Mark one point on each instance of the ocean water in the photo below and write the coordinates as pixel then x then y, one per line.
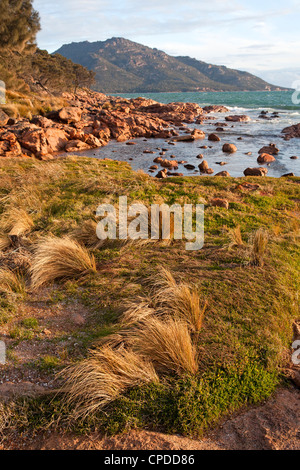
pixel 248 137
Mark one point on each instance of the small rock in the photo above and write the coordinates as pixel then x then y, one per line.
pixel 204 168
pixel 189 167
pixel 78 319
pixel 214 138
pixel 218 202
pixel 47 332
pixel 223 173
pixel 161 174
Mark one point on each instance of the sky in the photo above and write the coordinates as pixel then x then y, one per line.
pixel 260 36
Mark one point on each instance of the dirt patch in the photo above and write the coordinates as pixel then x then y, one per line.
pixel 272 426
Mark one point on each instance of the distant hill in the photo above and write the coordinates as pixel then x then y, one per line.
pixel 124 66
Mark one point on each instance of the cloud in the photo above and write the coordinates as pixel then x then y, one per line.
pixel 231 33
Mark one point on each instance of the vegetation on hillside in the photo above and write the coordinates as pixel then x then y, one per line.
pixel 31 74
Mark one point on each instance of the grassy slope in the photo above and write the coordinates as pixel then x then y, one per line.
pixel 248 326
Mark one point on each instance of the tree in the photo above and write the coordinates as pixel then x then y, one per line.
pixel 82 77
pixel 19 25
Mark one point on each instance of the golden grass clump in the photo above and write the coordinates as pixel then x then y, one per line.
pixel 102 377
pixel 16 221
pixel 178 300
pixel 167 344
pixel 86 235
pixel 59 258
pixel 11 282
pixel 158 335
pixel 137 312
pixel 235 238
pixel 258 246
pixel 5 241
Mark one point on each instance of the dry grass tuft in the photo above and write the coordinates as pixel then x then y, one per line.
pixel 167 344
pixel 137 311
pixel 102 377
pixel 59 258
pixel 178 300
pixel 258 245
pixel 235 238
pixel 16 221
pixel 146 227
pixel 87 236
pixel 5 242
pixel 11 282
pixel 157 337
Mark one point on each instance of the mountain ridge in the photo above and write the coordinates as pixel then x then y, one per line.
pixel 124 66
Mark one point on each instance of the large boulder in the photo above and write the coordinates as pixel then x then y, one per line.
pixel 195 135
pixel 292 131
pixel 56 139
pixel 229 148
pixel 70 114
pixel 4 118
pixel 255 172
pixel 35 141
pixel 42 121
pixel 9 146
pixel 176 113
pixel 271 149
pixel 92 141
pixel 219 202
pixel 215 109
pixel 265 158
pixel 198 134
pixel 171 164
pixel 76 146
pixel 238 118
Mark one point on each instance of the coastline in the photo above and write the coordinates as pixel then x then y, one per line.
pixel 91 120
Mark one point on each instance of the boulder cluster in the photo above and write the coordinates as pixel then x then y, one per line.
pixel 89 121
pixel 291 132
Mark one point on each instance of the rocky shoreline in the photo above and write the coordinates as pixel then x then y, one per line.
pixel 90 120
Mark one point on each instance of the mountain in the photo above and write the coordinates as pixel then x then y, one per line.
pixel 124 66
